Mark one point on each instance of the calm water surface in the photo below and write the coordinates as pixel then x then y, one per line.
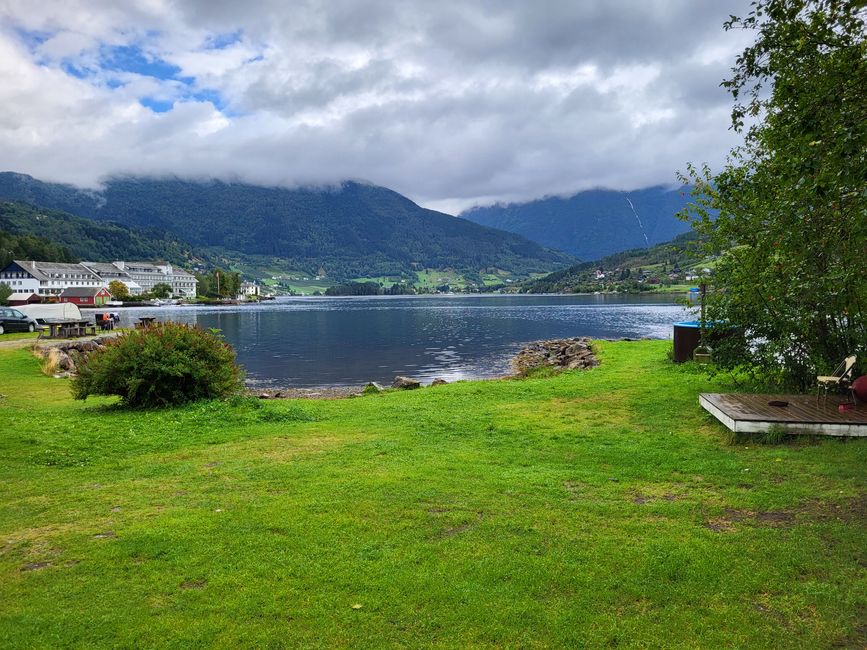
pixel 313 341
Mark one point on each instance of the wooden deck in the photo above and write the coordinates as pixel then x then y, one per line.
pixel 753 414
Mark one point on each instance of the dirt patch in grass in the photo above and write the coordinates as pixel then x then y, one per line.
pixel 769 612
pixel 194 584
pixel 575 488
pixel 457 529
pixel 850 510
pixel 35 566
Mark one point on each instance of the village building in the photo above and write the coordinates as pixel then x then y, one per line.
pixel 47 278
pixel 110 272
pixel 86 296
pixel 50 279
pixel 249 290
pixel 23 298
pixel 148 275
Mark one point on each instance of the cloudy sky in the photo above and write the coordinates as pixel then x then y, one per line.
pixel 452 102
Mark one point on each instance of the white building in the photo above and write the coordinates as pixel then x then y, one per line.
pixel 109 272
pixel 148 275
pixel 52 278
pixel 249 290
pixel 47 278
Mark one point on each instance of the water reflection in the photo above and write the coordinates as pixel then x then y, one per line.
pixel 333 341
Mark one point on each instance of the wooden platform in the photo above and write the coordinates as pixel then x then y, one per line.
pixel 752 414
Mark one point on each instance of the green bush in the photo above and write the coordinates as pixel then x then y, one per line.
pixel 161 366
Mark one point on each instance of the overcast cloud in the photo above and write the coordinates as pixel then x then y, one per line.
pixel 453 102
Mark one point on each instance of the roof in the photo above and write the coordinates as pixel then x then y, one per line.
pixel 43 270
pixel 81 292
pixel 147 267
pixel 22 295
pixel 105 268
pixel 30 267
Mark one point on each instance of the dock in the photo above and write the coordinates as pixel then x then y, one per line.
pixel 744 413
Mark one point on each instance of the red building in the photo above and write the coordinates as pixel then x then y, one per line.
pixel 86 296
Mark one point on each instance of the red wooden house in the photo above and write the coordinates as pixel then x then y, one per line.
pixel 86 296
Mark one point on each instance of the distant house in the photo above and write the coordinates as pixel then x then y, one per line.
pixel 23 298
pixel 86 296
pixel 249 290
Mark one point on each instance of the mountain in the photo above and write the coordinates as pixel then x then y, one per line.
pixel 592 224
pixel 65 236
pixel 635 270
pixel 352 230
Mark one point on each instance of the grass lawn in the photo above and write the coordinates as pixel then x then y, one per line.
pixel 601 508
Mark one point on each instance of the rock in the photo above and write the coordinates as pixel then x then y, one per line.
pixel 264 396
pixel 438 382
pixel 567 354
pixel 405 383
pixel 65 362
pixel 371 388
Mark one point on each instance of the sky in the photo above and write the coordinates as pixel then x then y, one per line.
pixel 453 103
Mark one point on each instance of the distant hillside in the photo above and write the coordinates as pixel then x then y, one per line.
pixel 353 230
pixel 636 270
pixel 28 247
pixel 592 224
pixel 58 236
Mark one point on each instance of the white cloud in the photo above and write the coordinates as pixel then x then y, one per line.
pixel 451 103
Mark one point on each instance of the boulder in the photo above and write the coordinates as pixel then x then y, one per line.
pixel 565 354
pixel 438 382
pixel 372 387
pixel 405 383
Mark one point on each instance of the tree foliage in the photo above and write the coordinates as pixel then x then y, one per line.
pixel 118 289
pixel 792 199
pixel 50 235
pixel 160 366
pixel 30 247
pixel 219 284
pixel 161 290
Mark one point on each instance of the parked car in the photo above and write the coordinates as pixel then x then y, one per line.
pixel 12 320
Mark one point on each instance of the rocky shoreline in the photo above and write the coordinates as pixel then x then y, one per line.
pixel 61 359
pixel 559 354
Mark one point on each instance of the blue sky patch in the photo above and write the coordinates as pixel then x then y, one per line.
pixel 222 41
pixel 131 58
pixel 32 39
pixel 157 105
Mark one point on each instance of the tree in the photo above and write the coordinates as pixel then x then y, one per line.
pixel 788 213
pixel 118 290
pixel 5 292
pixel 161 290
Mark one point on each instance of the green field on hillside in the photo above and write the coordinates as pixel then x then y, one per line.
pixel 599 508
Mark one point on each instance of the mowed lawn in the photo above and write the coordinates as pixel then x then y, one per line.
pixel 596 509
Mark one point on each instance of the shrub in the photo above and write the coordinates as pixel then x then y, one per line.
pixel 161 366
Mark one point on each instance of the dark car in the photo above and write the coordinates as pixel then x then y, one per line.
pixel 12 320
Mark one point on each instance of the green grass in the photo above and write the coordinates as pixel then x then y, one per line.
pixel 595 509
pixel 18 336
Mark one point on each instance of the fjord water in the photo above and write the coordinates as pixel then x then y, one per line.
pixel 308 342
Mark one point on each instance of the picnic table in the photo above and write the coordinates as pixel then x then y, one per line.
pixel 146 321
pixel 69 328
